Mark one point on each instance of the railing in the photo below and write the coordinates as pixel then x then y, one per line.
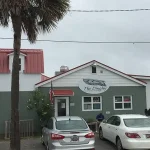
pixel 94 126
pixel 26 128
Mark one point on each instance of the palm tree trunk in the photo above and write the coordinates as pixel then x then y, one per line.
pixel 15 126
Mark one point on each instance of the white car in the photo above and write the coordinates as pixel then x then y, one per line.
pixel 126 131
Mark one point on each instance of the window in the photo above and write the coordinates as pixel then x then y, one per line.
pixel 122 102
pixel 71 125
pixel 19 63
pixel 91 103
pixel 93 69
pixel 116 121
pixel 137 122
pixel 110 120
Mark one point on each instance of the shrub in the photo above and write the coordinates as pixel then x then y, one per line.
pixel 41 104
pixel 90 120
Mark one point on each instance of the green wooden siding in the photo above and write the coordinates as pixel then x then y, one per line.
pixel 5 110
pixel 138 94
pixel 138 101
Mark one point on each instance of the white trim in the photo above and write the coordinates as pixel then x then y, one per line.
pixel 64 74
pixel 89 64
pixel 56 105
pixel 122 102
pixel 121 74
pixel 101 102
pixel 141 77
pixel 20 54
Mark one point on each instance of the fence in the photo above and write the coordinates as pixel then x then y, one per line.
pixel 94 126
pixel 26 128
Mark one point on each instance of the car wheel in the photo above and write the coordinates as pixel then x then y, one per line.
pixel 119 144
pixel 42 141
pixel 101 134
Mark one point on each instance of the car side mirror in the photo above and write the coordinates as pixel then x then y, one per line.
pixel 104 121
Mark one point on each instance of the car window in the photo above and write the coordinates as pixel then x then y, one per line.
pixel 50 124
pixel 116 121
pixel 137 122
pixel 71 125
pixel 110 120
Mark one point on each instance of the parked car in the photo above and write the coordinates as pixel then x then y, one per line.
pixel 67 133
pixel 126 131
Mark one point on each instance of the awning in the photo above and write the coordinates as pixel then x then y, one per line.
pixel 61 93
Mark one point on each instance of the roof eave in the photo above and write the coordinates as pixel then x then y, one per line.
pixel 13 53
pixel 141 77
pixel 86 65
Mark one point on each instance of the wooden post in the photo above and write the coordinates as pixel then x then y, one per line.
pixel 6 130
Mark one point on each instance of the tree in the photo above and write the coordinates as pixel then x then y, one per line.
pixel 32 17
pixel 41 104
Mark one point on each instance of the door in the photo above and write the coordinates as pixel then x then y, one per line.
pixel 62 106
pixel 106 128
pixel 114 129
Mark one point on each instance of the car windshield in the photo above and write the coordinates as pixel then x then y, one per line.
pixel 71 125
pixel 137 122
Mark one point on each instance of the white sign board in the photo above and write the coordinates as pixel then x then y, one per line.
pixel 63 105
pixel 107 112
pixel 72 104
pixel 93 85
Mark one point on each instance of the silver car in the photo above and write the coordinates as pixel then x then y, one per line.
pixel 67 133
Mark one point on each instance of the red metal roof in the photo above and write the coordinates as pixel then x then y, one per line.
pixel 44 77
pixel 34 61
pixel 89 63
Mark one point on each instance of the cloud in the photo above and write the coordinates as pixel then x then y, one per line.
pixel 116 26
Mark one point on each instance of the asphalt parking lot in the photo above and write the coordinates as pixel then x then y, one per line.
pixel 34 144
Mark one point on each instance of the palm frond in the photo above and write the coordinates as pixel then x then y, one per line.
pixel 36 15
pixel 4 19
pixel 29 25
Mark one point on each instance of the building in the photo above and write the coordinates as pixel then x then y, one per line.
pixel 94 87
pixel 84 91
pixel 147 80
pixel 31 67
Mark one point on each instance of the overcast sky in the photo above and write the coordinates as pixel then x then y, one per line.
pixel 113 26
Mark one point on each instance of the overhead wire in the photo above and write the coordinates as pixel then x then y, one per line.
pixel 94 42
pixel 85 42
pixel 111 10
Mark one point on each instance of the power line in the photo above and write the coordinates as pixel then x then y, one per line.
pixel 86 42
pixel 111 10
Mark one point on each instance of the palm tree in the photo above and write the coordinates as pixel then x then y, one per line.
pixel 32 17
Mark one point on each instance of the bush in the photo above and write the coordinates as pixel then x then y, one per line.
pixel 41 104
pixel 90 120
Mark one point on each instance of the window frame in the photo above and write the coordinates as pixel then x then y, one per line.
pixel 94 69
pixel 123 102
pixel 101 102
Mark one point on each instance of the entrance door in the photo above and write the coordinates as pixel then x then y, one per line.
pixel 62 106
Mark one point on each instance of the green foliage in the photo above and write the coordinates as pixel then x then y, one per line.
pixel 36 16
pixel 90 120
pixel 41 104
